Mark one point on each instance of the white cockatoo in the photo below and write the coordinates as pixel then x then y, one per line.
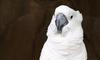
pixel 65 36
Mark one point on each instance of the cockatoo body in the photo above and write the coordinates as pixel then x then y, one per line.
pixel 65 36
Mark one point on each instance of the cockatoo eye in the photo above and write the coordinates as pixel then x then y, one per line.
pixel 71 16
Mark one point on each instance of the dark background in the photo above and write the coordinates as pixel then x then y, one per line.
pixel 23 26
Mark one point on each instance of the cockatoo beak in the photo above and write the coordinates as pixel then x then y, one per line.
pixel 60 22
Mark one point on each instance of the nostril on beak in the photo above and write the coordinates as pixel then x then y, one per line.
pixel 60 22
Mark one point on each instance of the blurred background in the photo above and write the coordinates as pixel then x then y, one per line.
pixel 23 26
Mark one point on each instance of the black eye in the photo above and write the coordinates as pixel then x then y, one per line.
pixel 71 17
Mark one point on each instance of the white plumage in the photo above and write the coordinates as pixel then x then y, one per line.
pixel 68 44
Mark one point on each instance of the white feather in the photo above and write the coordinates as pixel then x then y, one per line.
pixel 69 44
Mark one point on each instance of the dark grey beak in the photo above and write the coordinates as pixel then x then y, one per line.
pixel 60 21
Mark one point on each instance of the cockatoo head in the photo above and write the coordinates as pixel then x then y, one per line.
pixel 64 19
